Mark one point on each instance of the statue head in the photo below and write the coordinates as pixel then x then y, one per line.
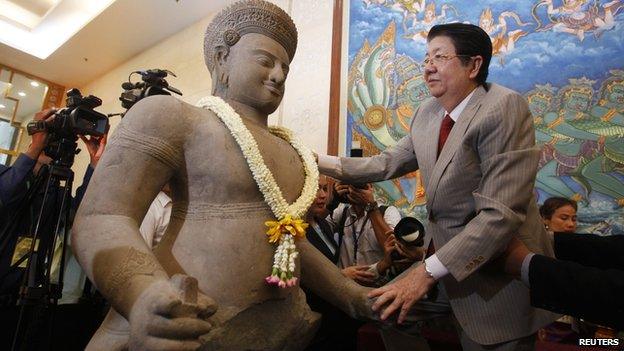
pixel 248 48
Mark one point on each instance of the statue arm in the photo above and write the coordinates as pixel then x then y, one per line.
pixel 325 279
pixel 106 238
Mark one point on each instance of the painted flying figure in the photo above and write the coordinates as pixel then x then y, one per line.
pixel 578 17
pixel 503 41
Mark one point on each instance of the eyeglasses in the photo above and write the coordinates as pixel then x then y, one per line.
pixel 439 59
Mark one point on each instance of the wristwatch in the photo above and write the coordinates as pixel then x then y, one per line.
pixel 371 206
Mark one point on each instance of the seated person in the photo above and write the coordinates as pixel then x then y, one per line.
pixel 363 227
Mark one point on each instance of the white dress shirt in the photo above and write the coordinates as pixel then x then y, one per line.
pixel 156 220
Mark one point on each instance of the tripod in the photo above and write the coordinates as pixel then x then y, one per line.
pixel 48 201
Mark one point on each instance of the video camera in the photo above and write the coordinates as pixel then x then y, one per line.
pixel 77 118
pixel 153 83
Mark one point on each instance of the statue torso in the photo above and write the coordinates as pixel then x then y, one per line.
pixel 217 232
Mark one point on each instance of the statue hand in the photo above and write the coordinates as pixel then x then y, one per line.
pixel 170 315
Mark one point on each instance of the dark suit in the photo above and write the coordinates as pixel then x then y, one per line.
pixel 315 239
pixel 591 287
pixel 604 252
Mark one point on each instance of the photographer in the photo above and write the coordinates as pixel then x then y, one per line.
pixel 363 227
pixel 16 181
pixel 397 258
pixel 18 219
pixel 13 178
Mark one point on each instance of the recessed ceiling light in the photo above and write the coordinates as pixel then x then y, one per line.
pixel 2 106
pixel 40 33
pixel 21 93
pixel 34 84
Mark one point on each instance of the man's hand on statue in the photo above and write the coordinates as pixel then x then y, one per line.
pixel 170 315
pixel 360 274
pixel 402 294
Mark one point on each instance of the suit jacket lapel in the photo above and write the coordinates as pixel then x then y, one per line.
pixel 452 143
pixel 431 135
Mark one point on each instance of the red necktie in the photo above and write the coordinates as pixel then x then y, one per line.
pixel 445 130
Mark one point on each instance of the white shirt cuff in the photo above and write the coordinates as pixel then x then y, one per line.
pixel 327 162
pixel 524 270
pixel 436 267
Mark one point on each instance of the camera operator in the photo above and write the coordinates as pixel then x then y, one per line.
pixel 363 227
pixel 12 178
pixel 397 258
pixel 16 181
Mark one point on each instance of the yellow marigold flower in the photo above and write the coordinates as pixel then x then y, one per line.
pixel 295 227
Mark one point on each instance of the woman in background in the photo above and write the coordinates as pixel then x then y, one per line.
pixel 559 214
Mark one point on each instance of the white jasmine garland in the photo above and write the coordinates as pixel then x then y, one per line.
pixel 288 215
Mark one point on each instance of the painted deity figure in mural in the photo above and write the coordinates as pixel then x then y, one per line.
pixel 409 10
pixel 584 142
pixel 430 19
pixel 564 143
pixel 503 41
pixel 384 91
pixel 604 173
pixel 541 100
pixel 578 17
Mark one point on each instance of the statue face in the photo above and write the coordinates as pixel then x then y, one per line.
pixel 257 67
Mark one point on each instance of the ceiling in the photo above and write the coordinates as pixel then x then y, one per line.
pixel 124 29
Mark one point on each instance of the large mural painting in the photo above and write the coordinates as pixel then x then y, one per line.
pixel 565 56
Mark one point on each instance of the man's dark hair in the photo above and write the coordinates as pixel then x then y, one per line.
pixel 547 210
pixel 469 40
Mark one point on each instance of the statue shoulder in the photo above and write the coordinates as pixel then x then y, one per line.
pixel 159 116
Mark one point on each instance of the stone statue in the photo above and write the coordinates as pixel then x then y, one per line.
pixel 204 284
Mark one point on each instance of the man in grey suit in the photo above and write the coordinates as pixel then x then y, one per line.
pixel 474 144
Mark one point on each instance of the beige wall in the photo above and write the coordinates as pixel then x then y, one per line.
pixel 306 102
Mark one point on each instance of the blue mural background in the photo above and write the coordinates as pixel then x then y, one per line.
pixel 565 56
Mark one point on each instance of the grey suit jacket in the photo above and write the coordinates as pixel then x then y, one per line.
pixel 479 193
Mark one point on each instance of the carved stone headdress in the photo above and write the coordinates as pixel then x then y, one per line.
pixel 249 16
